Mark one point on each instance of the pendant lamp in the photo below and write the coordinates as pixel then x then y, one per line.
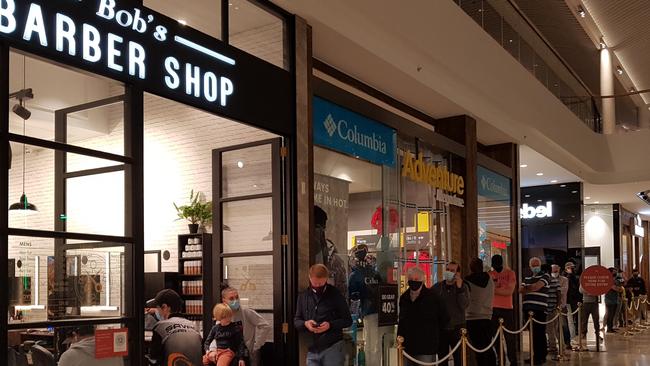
pixel 23 204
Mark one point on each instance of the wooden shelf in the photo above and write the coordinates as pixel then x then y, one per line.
pixel 191 295
pixel 190 259
pixel 183 275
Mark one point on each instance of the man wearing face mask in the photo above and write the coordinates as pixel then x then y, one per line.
pixel 322 312
pixel 454 293
pixel 421 318
pixel 505 281
pixel 636 285
pixel 535 291
pixel 573 297
pixel 175 341
pixel 257 330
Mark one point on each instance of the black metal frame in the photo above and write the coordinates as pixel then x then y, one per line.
pixel 133 239
pixel 278 227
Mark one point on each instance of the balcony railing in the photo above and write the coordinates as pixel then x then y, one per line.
pixel 505 23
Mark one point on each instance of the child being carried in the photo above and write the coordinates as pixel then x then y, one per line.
pixel 229 340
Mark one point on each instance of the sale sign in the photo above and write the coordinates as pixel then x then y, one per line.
pixel 111 343
pixel 596 280
pixel 388 298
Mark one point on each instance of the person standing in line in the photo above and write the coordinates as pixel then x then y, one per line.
pixel 574 297
pixel 535 291
pixel 422 316
pixel 590 308
pixel 611 300
pixel 620 314
pixel 479 312
pixel 636 285
pixel 553 300
pixel 564 289
pixel 455 295
pixel 505 282
pixel 322 312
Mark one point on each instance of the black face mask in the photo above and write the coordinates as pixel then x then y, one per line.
pixel 361 255
pixel 635 275
pixel 497 268
pixel 415 285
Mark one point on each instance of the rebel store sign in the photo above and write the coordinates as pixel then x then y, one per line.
pixel 136 45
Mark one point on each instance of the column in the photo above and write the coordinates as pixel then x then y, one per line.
pixel 607 88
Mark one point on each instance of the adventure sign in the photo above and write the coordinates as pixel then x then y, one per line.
pixel 596 280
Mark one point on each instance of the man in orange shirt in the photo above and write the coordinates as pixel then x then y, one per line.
pixel 505 282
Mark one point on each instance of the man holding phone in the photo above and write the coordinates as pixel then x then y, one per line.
pixel 323 312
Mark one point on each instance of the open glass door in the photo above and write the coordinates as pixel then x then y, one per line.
pixel 248 206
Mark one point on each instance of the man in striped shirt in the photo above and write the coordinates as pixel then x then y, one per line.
pixel 553 300
pixel 535 291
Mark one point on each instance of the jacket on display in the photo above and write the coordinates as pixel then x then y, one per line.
pixel 420 321
pixel 329 307
pixel 364 285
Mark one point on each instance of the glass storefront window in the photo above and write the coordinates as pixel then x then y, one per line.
pixel 202 15
pixel 494 217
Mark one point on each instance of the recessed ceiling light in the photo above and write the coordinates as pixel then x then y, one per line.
pixel 563 185
pixel 526 165
pixel 182 22
pixel 597 202
pixel 540 174
pixel 587 198
pixel 619 70
pixel 554 181
pixel 581 12
pixel 539 200
pixel 240 164
pixel 574 192
pixel 527 196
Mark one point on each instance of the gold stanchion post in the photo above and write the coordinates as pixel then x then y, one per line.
pixel 530 338
pixel 400 351
pixel 580 321
pixel 463 337
pixel 502 360
pixel 625 318
pixel 560 335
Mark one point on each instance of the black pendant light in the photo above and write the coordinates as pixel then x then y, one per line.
pixel 23 204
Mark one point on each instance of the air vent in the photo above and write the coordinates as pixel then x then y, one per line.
pixel 645 196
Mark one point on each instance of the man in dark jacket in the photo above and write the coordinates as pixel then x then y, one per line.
pixel 573 297
pixel 454 293
pixel 636 285
pixel 323 312
pixel 422 316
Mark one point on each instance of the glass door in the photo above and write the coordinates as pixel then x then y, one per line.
pixel 248 206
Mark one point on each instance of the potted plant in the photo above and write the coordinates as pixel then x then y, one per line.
pixel 196 212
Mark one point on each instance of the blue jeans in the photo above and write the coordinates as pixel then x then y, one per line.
pixel 332 356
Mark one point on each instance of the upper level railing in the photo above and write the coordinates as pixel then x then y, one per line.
pixel 512 30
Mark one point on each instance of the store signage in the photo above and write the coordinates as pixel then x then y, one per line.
pixel 596 280
pixel 493 185
pixel 343 130
pixel 449 186
pixel 128 42
pixel 638 226
pixel 540 212
pixel 388 298
pixel 111 343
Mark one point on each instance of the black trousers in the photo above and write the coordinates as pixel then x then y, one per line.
pixel 480 335
pixel 512 340
pixel 611 314
pixel 448 339
pixel 539 336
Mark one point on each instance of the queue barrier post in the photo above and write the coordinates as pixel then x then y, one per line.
pixel 501 343
pixel 560 335
pixel 400 351
pixel 580 315
pixel 463 339
pixel 530 338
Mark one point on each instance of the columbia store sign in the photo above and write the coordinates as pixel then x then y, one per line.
pixel 131 43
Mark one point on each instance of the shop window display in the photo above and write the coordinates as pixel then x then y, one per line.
pixel 494 217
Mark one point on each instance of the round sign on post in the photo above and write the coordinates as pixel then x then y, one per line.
pixel 596 280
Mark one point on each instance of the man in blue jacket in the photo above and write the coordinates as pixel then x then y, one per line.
pixel 323 312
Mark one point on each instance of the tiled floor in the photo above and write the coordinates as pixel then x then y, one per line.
pixel 616 350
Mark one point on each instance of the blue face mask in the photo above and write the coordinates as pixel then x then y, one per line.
pixel 157 315
pixel 234 305
pixel 536 270
pixel 449 276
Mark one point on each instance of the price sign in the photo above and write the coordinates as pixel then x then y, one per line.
pixel 387 305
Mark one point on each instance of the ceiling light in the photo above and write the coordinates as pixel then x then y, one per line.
pixel 587 198
pixel 597 202
pixel 582 12
pixel 240 164
pixel 574 192
pixel 563 185
pixel 603 45
pixel 527 196
pixel 526 165
pixel 182 22
pixel 21 111
pixel 539 200
pixel 540 174
pixel 554 181
pixel 619 70
pixel 632 90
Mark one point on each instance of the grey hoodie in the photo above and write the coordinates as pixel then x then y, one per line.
pixel 481 295
pixel 82 353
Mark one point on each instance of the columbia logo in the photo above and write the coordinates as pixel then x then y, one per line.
pixel 330 125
